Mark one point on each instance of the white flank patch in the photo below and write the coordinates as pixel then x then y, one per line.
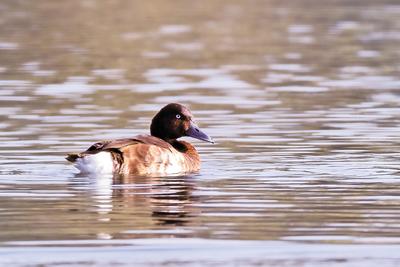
pixel 174 166
pixel 172 169
pixel 97 163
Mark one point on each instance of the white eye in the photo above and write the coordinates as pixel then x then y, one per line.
pixel 178 116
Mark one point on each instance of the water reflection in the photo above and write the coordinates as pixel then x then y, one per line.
pixel 170 200
pixel 168 203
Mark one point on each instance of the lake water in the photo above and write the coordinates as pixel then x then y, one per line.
pixel 302 98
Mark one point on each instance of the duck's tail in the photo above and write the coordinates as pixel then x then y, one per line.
pixel 72 157
pixel 101 162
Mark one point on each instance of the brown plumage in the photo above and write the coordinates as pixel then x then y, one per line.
pixel 157 154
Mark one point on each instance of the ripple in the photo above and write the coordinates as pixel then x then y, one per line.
pixel 8 46
pixel 168 79
pixel 15 83
pixel 72 87
pixel 381 36
pixel 290 67
pixel 229 252
pixel 155 54
pixel 300 29
pixel 301 89
pixel 357 69
pixel 174 29
pixel 186 47
pixel 365 82
pixel 368 54
pixel 343 26
pixel 111 74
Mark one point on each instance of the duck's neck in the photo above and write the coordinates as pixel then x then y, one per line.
pixel 187 149
pixel 184 147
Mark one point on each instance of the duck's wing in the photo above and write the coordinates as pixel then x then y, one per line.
pixel 120 143
pixel 111 144
pixel 116 145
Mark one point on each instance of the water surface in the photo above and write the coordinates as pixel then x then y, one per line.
pixel 301 98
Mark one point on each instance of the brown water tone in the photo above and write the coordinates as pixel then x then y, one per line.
pixel 302 98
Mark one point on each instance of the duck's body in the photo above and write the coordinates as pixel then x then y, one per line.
pixel 156 154
pixel 141 155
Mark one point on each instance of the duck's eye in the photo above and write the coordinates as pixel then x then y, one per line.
pixel 178 116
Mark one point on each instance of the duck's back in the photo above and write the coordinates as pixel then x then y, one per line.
pixel 141 155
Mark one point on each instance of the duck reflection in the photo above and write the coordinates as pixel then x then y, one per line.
pixel 169 199
pixel 129 206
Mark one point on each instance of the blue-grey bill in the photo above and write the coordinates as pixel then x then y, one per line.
pixel 195 132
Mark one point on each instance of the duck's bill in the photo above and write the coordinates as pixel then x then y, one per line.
pixel 195 132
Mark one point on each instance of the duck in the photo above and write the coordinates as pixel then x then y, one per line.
pixel 160 153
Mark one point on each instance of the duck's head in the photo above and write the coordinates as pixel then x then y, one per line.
pixel 174 121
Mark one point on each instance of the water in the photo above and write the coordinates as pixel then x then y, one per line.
pixel 301 99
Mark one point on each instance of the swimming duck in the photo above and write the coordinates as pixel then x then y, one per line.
pixel 157 154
